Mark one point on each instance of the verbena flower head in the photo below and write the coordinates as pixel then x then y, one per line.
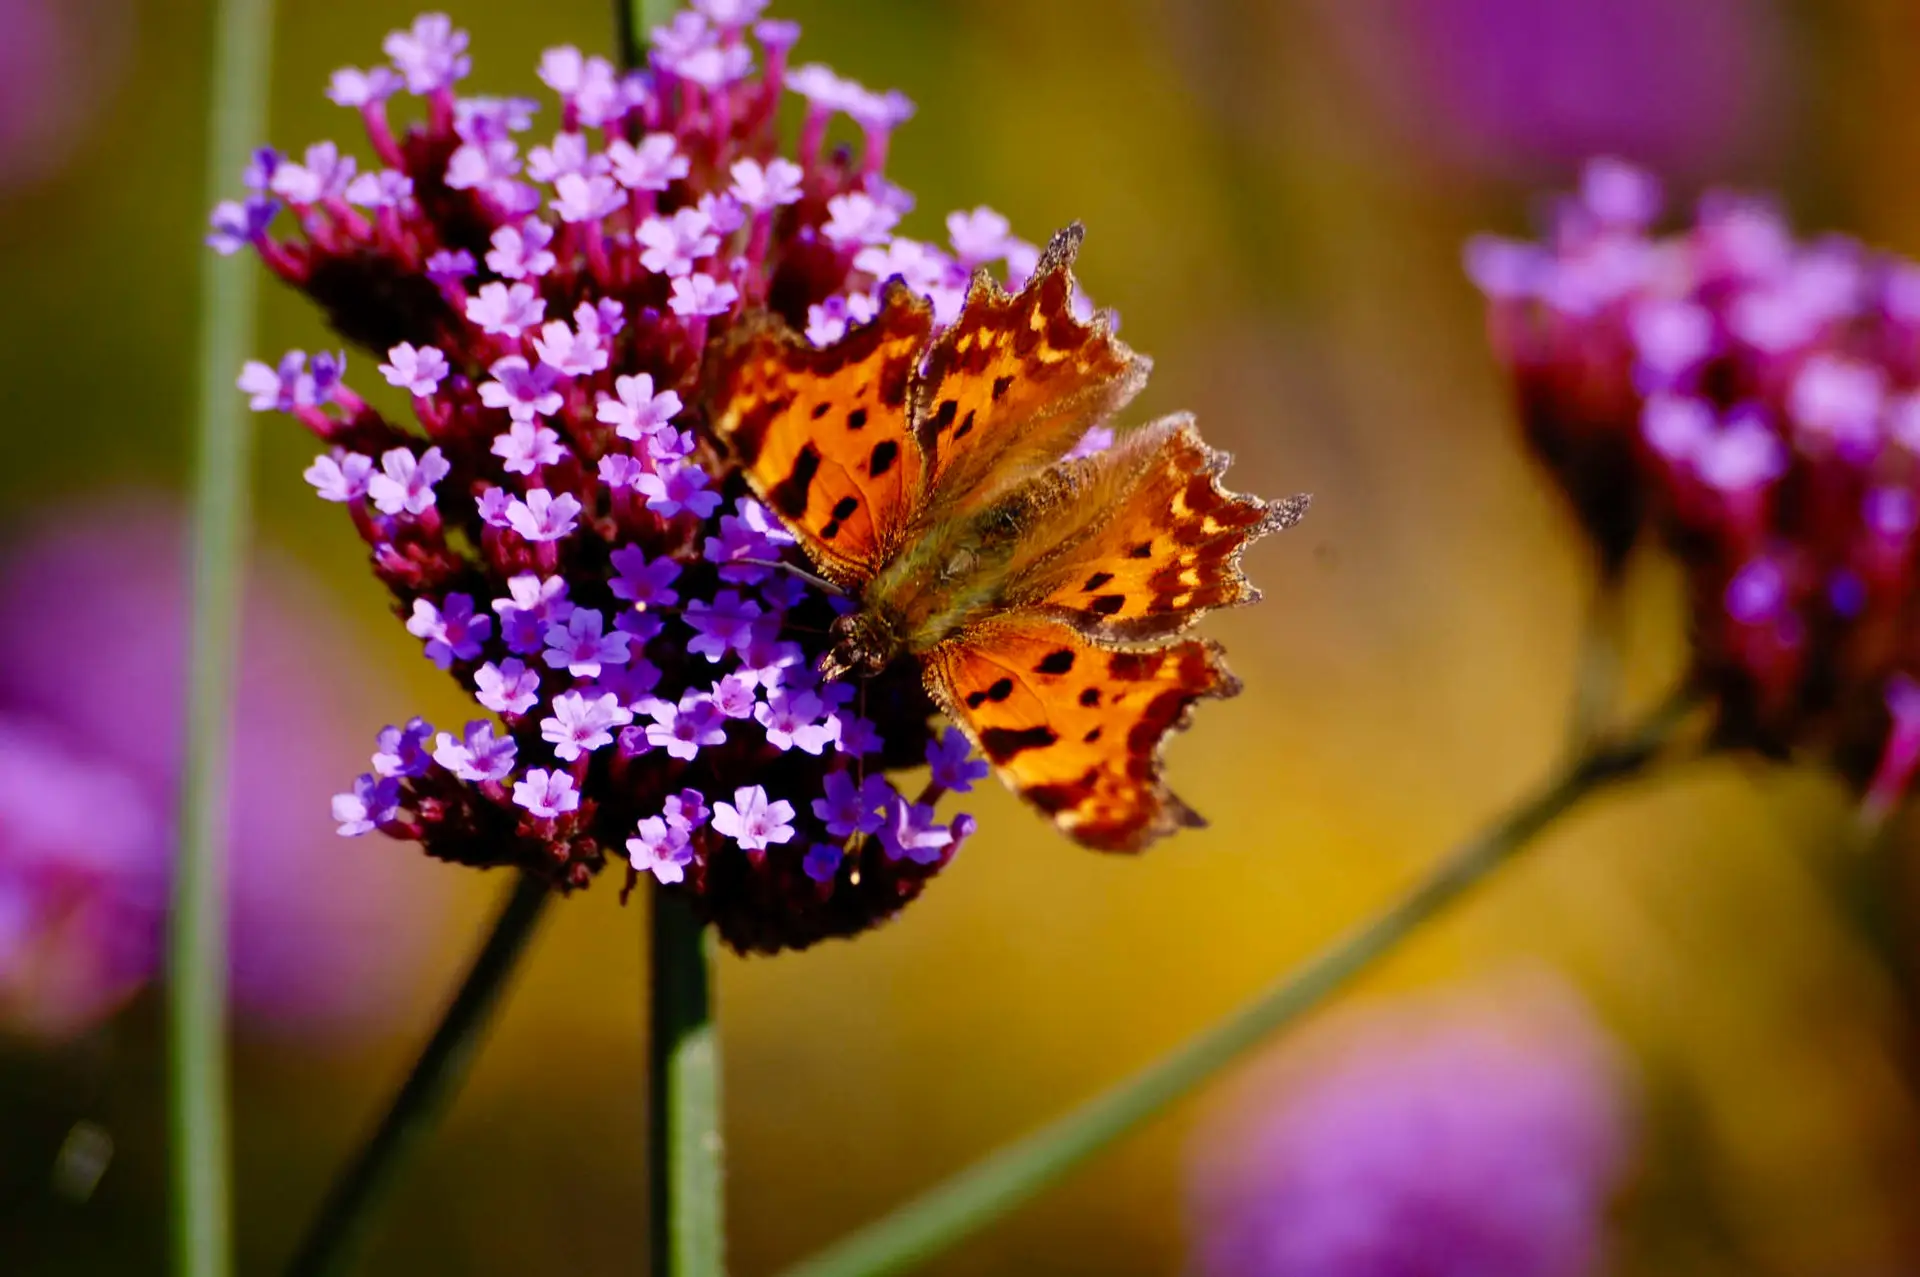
pixel 1752 400
pixel 541 281
pixel 1414 1141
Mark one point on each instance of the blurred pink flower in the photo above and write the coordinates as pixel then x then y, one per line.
pixel 58 60
pixel 1416 1140
pixel 326 934
pixel 1504 83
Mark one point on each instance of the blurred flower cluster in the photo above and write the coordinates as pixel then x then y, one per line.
pixel 1441 1140
pixel 557 532
pixel 1754 401
pixel 92 686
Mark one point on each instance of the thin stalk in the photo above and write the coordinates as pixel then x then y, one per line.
pixel 687 1233
pixel 333 1241
pixel 200 1204
pixel 632 20
pixel 1597 668
pixel 1003 1180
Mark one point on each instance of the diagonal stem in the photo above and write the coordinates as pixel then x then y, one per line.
pixel 687 1235
pixel 200 1206
pixel 1003 1180
pixel 333 1240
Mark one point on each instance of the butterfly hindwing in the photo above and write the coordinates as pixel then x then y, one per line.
pixel 1141 539
pixel 1011 387
pixel 1076 728
pixel 822 433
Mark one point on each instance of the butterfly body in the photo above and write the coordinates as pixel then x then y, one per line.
pixel 1043 596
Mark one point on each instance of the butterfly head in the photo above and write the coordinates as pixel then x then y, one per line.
pixel 863 644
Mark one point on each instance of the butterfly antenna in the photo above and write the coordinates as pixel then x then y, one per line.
pixel 817 582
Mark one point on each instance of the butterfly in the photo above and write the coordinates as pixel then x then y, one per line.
pixel 928 476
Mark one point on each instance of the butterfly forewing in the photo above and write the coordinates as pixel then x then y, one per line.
pixel 1012 386
pixel 822 433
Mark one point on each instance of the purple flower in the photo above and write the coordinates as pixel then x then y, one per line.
pixel 752 534
pixel 352 87
pixel 453 632
pixel 521 251
pixel 683 730
pixel 579 647
pixel 722 626
pixel 569 353
pixel 680 488
pixel 642 582
pixel 953 763
pixel 568 154
pixel 417 371
pixel 525 392
pixel 766 187
pixel 671 245
pixel 405 484
pixel 493 506
pixel 978 237
pixel 431 55
pixel 752 821
pixel 547 794
pixel 543 516
pixel 238 224
pixel 340 475
pixel 848 809
pixel 735 696
pixel 909 831
pixel 533 602
pixel 279 389
pixel 858 219
pixel 324 175
pixel 506 311
pixel 792 720
pixel 660 848
pixel 373 801
pixel 653 165
pixel 828 321
pixel 638 412
pixel 449 266
pixel 580 725
pixel 1452 1145
pixel 822 863
pixel 403 751
pixel 854 736
pixel 579 198
pixel 385 188
pixel 525 447
pixel 687 809
pixel 482 756
pixel 507 688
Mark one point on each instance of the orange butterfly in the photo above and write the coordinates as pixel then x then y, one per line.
pixel 924 476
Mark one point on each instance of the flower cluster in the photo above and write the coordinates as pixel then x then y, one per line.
pixel 1754 401
pixel 559 533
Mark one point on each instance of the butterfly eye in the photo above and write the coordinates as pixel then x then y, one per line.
pixel 959 565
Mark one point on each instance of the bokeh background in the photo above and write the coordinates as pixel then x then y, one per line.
pixel 1276 193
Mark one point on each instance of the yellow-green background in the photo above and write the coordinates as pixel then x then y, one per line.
pixel 1290 259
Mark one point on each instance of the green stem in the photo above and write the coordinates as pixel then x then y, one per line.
pixel 929 1224
pixel 632 20
pixel 199 1205
pixel 688 1198
pixel 1597 669
pixel 334 1239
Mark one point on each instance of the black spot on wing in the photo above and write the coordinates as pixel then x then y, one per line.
pixel 844 508
pixel 1001 385
pixel 885 453
pixel 1090 697
pixel 1142 551
pixel 1108 604
pixel 966 427
pixel 1001 689
pixel 789 496
pixel 1056 662
pixel 943 415
pixel 1097 580
pixel 1003 744
pixel 820 409
pixel 857 419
